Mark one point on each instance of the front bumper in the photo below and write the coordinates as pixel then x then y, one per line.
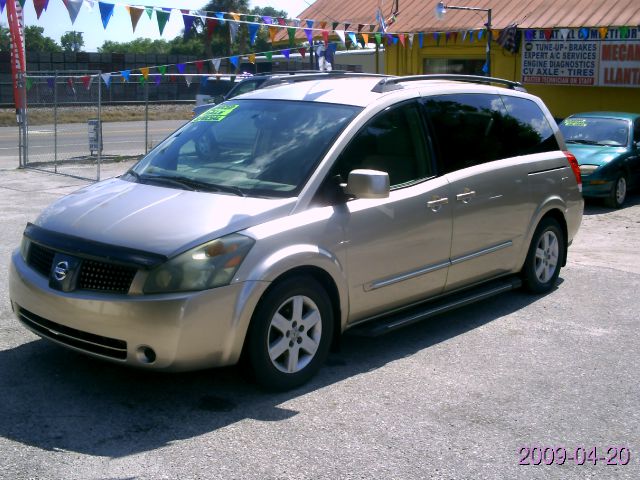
pixel 596 191
pixel 184 331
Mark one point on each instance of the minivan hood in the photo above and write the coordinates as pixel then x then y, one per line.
pixel 595 154
pixel 155 219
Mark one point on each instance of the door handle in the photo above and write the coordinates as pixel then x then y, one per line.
pixel 465 196
pixel 436 203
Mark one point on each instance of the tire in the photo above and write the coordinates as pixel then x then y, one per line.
pixel 545 257
pixel 618 193
pixel 290 334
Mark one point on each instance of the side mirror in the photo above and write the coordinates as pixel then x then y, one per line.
pixel 364 183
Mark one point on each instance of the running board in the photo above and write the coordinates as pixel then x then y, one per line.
pixel 417 313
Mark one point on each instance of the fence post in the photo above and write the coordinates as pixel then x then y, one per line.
pixel 99 76
pixel 146 117
pixel 55 121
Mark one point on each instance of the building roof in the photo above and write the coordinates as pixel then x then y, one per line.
pixel 419 15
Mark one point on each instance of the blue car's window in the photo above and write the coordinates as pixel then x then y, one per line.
pixel 247 147
pixel 596 131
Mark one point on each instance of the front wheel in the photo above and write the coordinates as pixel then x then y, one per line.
pixel 545 257
pixel 618 193
pixel 290 333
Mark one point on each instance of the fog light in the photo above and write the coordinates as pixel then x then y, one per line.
pixel 146 354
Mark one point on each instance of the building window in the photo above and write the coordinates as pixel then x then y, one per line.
pixel 461 66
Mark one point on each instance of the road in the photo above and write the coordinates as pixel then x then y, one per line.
pixel 119 138
pixel 455 397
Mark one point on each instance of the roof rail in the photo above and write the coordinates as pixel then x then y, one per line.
pixel 393 83
pixel 320 75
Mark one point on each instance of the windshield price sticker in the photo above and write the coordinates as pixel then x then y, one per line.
pixel 216 114
pixel 575 122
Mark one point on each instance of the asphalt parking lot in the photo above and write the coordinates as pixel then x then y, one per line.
pixel 463 396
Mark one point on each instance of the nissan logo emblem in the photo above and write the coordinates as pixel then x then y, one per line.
pixel 61 271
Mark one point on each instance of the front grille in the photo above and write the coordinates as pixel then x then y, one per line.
pixel 94 275
pixel 105 277
pixel 40 258
pixel 88 342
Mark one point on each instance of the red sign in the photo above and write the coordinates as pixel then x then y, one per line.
pixel 18 64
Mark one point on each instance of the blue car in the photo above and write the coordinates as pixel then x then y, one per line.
pixel 607 147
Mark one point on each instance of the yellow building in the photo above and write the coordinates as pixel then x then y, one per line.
pixel 577 55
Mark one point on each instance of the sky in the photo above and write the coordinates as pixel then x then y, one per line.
pixel 55 20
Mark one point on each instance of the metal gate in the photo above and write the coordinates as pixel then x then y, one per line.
pixel 62 128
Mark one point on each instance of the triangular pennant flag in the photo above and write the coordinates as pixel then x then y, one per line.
pixel 73 6
pixel 135 14
pixel 199 65
pixel 295 22
pixel 624 32
pixel 188 20
pixel 281 22
pixel 495 34
pixel 421 39
pixel 302 51
pixel 125 75
pixel 323 25
pixel 220 17
pixel 267 19
pixel 334 25
pixel 346 26
pixel 378 38
pixel 352 37
pixel 216 64
pixel 162 69
pixel 480 34
pixel 29 81
pixel 310 23
pixel 141 80
pixel 70 81
pixel 401 38
pixel 106 11
pixel 340 34
pixel 158 78
pixel 365 37
pixel 371 28
pixel 360 27
pixel 253 32
pixel 145 72
pixel 564 33
pixel 181 67
pixel 162 17
pixel 528 35
pixel 22 2
pixel 411 40
pixel 286 52
pixel 172 78
pixel 86 81
pixel 233 30
pixel 292 35
pixel 395 39
pixel 234 61
pixel 210 25
pixel 252 58
pixel 325 37
pixel 269 56
pixel 39 5
pixel 2 3
pixel 464 35
pixel 149 11
pixel 236 16
pixel 471 35
pixel 188 79
pixel 455 36
pixel 203 81
pixel 583 33
pixel 106 78
pixel 273 31
pixel 309 33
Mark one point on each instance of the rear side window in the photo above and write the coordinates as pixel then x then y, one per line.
pixel 471 129
pixel 529 130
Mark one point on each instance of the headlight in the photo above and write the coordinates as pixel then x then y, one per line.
pixel 588 169
pixel 208 266
pixel 24 247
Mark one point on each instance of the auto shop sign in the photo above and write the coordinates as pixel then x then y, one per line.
pixel 589 57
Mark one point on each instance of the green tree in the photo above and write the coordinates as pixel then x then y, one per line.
pixel 72 41
pixel 5 43
pixel 35 40
pixel 139 45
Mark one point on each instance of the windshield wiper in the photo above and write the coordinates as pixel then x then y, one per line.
pixel 191 184
pixel 583 142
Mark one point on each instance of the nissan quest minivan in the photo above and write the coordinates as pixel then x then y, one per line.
pixel 274 222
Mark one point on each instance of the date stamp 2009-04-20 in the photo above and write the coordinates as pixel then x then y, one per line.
pixel 582 455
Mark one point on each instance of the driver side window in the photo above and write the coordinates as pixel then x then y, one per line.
pixel 392 142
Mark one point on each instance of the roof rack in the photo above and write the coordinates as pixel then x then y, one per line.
pixel 393 83
pixel 332 74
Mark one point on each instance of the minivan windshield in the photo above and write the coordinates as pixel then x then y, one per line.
pixel 266 148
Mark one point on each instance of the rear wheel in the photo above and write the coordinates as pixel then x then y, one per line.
pixel 545 257
pixel 618 193
pixel 290 333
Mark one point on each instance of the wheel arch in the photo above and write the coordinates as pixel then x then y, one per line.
pixel 552 209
